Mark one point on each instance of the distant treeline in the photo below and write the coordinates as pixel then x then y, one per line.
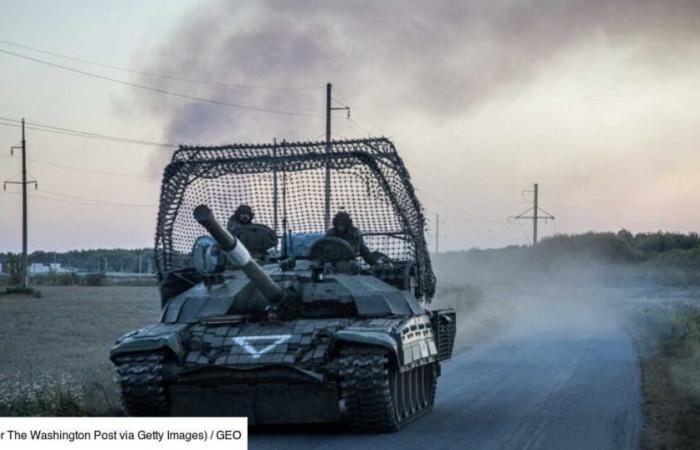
pixel 99 260
pixel 672 258
pixel 620 247
pixel 663 248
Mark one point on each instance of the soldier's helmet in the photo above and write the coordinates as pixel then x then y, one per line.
pixel 244 210
pixel 342 218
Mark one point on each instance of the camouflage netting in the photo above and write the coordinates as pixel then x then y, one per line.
pixel 368 180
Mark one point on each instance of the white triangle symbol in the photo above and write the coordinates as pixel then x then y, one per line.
pixel 246 343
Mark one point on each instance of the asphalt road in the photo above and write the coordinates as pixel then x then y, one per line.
pixel 569 388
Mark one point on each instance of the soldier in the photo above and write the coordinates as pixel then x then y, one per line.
pixel 343 228
pixel 257 238
pixel 241 217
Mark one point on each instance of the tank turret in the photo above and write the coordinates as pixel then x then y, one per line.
pixel 236 251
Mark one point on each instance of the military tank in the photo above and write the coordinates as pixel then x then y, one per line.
pixel 305 331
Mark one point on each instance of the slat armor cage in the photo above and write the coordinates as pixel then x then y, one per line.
pixel 284 183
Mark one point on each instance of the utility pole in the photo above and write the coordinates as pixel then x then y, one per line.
pixel 327 191
pixel 535 210
pixel 25 261
pixel 437 233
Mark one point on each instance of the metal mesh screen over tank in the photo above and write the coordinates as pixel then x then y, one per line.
pixel 284 184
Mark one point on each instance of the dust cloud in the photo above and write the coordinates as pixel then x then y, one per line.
pixel 501 295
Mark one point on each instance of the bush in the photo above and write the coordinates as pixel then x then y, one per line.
pixel 18 290
pixel 14 269
pixel 57 279
pixel 95 279
pixel 67 279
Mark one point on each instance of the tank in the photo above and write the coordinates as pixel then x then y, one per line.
pixel 307 331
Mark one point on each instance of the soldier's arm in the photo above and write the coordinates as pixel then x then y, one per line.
pixel 231 224
pixel 366 254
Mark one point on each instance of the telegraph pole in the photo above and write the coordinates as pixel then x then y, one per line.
pixel 535 216
pixel 25 261
pixel 535 209
pixel 327 190
pixel 25 266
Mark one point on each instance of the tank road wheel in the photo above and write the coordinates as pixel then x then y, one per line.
pixel 379 398
pixel 143 389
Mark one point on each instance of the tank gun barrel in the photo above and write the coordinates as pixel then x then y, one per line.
pixel 235 249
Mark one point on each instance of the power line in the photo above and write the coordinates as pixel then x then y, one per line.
pixel 417 168
pixel 158 90
pixel 66 198
pixel 457 210
pixel 342 102
pixel 157 75
pixel 349 118
pixel 85 134
pixel 98 172
pixel 369 119
pixel 74 202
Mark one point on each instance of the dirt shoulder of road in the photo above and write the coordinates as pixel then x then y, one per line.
pixel 668 340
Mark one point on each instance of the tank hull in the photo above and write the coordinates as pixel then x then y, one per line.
pixel 301 371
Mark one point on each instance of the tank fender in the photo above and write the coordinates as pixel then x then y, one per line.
pixel 369 338
pixel 151 338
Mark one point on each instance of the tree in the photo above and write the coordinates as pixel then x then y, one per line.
pixel 14 269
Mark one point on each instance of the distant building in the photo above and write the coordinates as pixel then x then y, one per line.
pixel 42 268
pixel 38 268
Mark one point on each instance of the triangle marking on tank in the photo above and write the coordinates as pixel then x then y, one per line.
pixel 247 343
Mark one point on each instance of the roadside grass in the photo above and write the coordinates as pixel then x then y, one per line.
pixel 669 341
pixel 48 397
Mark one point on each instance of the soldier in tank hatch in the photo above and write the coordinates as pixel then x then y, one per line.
pixel 344 229
pixel 242 216
pixel 257 238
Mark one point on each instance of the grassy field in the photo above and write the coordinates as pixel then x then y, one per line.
pixel 55 349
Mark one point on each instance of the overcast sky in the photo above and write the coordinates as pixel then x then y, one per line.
pixel 597 101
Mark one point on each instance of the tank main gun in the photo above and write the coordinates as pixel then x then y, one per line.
pixel 239 254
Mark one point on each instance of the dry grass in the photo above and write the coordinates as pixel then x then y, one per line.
pixel 62 340
pixel 669 343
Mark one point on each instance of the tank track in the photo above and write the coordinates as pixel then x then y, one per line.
pixel 143 388
pixel 378 398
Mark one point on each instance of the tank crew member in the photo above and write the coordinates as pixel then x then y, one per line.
pixel 343 228
pixel 243 215
pixel 257 238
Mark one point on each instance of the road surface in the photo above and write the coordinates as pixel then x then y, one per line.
pixel 549 388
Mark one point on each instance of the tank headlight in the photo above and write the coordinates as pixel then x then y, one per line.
pixel 207 256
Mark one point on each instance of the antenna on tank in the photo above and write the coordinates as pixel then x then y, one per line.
pixel 285 250
pixel 274 184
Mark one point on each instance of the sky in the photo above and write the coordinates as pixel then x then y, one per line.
pixel 594 100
